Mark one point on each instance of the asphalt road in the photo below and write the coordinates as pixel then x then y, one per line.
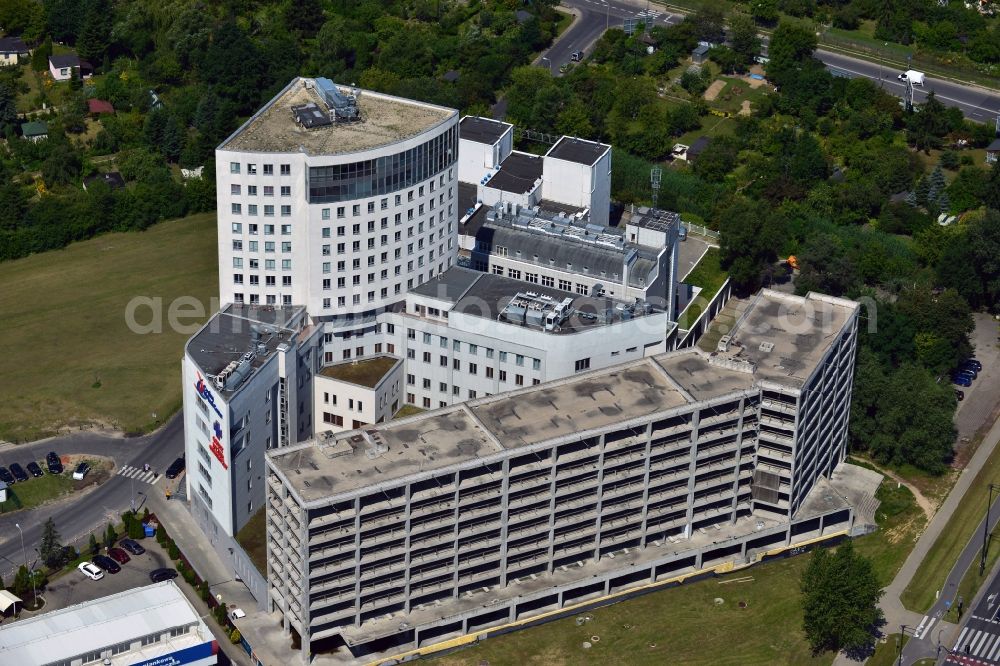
pixel 595 16
pixel 925 638
pixel 978 641
pixel 976 103
pixel 82 513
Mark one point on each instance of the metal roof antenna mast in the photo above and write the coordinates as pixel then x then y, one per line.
pixel 655 175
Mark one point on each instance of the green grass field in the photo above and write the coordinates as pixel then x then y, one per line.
pixel 71 359
pixel 29 494
pixel 929 577
pixel 684 623
pixel 708 275
pixel 886 653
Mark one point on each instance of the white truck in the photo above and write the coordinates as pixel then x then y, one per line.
pixel 913 76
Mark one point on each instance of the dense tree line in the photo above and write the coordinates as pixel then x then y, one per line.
pixel 831 170
pixel 945 28
pixel 212 63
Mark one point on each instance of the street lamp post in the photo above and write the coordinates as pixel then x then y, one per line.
pixel 986 528
pixel 24 554
pixel 902 632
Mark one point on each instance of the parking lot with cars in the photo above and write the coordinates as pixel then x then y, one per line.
pixel 132 566
pixel 980 403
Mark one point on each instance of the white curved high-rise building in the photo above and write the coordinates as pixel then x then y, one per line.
pixel 339 200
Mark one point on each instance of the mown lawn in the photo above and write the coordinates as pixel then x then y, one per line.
pixel 29 494
pixel 684 623
pixel 70 358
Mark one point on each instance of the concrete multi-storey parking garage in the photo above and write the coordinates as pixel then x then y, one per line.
pixel 503 508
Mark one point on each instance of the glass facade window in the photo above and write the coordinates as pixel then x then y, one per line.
pixel 343 182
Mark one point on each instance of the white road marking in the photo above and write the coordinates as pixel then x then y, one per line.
pixel 993 652
pixel 137 474
pixel 961 637
pixel 936 94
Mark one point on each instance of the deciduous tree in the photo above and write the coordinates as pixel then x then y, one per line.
pixel 840 594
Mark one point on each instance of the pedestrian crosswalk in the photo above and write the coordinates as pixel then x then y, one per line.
pixel 981 644
pixel 150 477
pixel 924 628
pixel 648 14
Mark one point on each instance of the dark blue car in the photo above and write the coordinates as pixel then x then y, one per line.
pixel 961 380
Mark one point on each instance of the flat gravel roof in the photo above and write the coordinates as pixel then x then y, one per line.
pixel 384 120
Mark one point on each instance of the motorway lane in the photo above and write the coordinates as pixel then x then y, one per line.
pixel 976 103
pixel 80 514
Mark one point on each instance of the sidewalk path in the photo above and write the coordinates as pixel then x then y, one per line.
pixel 181 527
pixel 892 607
pixel 925 504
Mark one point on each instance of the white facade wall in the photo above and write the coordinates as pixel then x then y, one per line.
pixel 512 201
pixel 207 420
pixel 224 448
pixel 477 160
pixel 356 405
pixel 619 289
pixel 640 235
pixel 333 258
pixel 581 185
pixel 507 356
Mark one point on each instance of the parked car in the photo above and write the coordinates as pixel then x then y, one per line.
pixel 6 476
pixel 968 370
pixel 53 462
pixel 973 363
pixel 34 469
pixel 81 471
pixel 959 373
pixel 18 472
pixel 90 571
pixel 132 546
pixel 119 555
pixel 176 467
pixel 160 575
pixel 959 395
pixel 106 563
pixel 961 380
